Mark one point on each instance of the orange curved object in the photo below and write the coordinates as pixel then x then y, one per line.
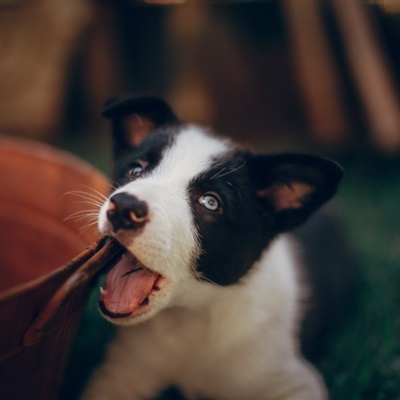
pixel 43 283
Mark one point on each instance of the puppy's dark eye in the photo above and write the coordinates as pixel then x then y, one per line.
pixel 135 171
pixel 210 201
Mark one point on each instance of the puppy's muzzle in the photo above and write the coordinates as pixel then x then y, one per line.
pixel 126 211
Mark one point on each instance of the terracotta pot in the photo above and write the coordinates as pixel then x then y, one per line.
pixel 42 292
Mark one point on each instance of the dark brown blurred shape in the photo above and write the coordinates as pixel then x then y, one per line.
pixel 37 40
pixel 322 73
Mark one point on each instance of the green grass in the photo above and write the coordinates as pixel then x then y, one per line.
pixel 363 361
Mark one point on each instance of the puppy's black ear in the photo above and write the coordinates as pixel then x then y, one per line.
pixel 134 118
pixel 293 186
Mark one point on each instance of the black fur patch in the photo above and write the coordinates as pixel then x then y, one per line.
pixel 150 151
pixel 262 196
pixel 121 110
pixel 232 239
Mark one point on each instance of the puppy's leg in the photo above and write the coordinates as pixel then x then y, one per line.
pixel 301 382
pixel 110 383
pixel 116 380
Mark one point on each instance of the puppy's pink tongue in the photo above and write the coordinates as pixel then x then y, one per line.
pixel 127 285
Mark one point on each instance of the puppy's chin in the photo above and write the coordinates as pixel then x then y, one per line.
pixel 132 320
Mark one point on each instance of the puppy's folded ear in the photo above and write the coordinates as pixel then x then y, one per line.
pixel 134 118
pixel 292 186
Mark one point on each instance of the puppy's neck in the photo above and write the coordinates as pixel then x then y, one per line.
pixel 255 299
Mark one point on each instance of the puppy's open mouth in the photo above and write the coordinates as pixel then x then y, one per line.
pixel 129 288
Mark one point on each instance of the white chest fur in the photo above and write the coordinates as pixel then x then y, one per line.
pixel 235 342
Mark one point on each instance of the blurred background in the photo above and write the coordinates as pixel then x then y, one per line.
pixel 320 76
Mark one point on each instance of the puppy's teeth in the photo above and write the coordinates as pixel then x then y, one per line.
pixel 102 291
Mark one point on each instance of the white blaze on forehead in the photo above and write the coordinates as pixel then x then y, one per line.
pixel 191 154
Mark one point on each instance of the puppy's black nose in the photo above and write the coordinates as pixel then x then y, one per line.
pixel 126 211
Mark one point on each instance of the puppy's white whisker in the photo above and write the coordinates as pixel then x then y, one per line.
pixel 101 195
pixel 95 191
pixel 92 202
pixel 82 214
pixel 88 196
pixel 84 218
pixel 86 227
pixel 204 278
pixel 218 173
pixel 233 170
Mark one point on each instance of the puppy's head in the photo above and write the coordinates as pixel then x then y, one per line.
pixel 194 211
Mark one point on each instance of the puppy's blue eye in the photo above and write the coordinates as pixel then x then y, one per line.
pixel 210 202
pixel 135 171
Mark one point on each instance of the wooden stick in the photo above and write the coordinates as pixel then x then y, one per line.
pixel 94 259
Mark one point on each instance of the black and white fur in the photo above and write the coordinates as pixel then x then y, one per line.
pixel 207 216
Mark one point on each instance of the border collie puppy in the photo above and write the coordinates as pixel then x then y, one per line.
pixel 208 289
